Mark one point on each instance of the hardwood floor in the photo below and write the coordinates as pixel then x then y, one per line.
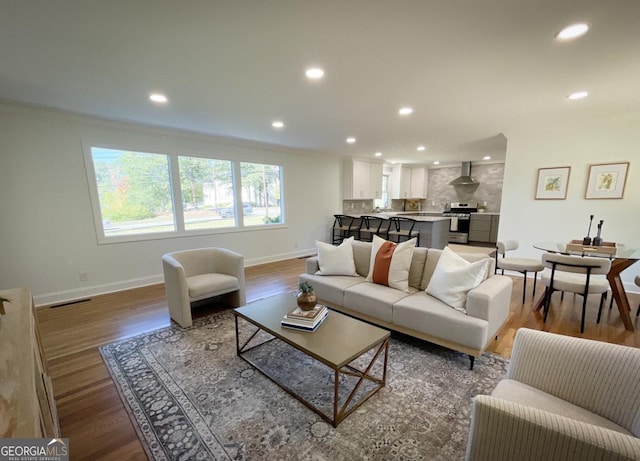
pixel 91 413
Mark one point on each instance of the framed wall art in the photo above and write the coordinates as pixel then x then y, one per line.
pixel 552 183
pixel 607 180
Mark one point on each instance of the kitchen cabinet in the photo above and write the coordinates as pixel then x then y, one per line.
pixel 408 182
pixel 483 228
pixel 418 183
pixel 375 180
pixel 362 180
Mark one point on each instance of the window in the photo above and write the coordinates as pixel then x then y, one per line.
pixel 383 201
pixel 141 195
pixel 133 191
pixel 261 194
pixel 207 193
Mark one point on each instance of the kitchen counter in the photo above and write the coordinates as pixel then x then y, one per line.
pixel 409 214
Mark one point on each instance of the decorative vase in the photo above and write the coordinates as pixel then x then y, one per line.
pixel 307 301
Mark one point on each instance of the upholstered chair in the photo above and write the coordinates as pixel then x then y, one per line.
pixel 522 265
pixel 575 274
pixel 194 275
pixel 562 399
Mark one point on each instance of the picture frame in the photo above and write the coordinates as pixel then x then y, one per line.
pixel 607 180
pixel 553 183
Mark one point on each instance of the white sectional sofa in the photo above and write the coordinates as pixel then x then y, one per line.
pixel 417 313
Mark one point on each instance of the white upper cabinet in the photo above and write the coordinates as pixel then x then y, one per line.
pixel 375 180
pixel 408 182
pixel 418 183
pixel 362 180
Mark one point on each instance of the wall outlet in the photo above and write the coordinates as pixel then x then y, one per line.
pixel 84 276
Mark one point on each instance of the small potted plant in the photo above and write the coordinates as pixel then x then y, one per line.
pixel 306 297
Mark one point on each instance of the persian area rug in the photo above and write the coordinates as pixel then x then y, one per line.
pixel 192 398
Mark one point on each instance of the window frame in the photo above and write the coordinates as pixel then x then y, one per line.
pixel 176 193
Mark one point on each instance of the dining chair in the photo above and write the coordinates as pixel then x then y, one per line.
pixel 575 274
pixel 369 226
pixel 344 226
pixel 522 265
pixel 400 227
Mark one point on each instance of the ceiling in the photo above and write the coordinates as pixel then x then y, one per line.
pixel 472 70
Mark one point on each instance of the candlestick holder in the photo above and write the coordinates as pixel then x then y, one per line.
pixel 587 240
pixel 597 240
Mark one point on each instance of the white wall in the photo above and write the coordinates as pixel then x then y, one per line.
pixel 47 234
pixel 528 220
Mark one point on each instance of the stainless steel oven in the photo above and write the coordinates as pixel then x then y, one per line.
pixel 460 214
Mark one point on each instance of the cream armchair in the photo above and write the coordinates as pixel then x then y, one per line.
pixel 563 398
pixel 193 275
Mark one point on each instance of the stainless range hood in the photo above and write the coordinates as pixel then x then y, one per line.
pixel 465 176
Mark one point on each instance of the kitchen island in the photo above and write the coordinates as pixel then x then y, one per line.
pixel 434 230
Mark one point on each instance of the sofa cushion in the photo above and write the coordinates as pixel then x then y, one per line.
pixel 453 277
pixel 515 391
pixel 373 300
pixel 207 285
pixel 416 269
pixel 331 289
pixel 362 256
pixel 390 262
pixel 428 315
pixel 336 260
pixel 433 256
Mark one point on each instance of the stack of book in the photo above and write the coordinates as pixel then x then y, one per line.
pixel 305 320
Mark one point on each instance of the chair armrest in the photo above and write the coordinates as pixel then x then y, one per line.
pixel 312 265
pixel 231 263
pixel 176 289
pixel 490 301
pixel 504 430
pixel 228 262
pixel 595 375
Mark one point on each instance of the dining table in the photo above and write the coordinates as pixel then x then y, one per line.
pixel 623 257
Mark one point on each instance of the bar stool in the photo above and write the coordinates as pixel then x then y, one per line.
pixel 344 226
pixel 400 227
pixel 369 226
pixel 522 265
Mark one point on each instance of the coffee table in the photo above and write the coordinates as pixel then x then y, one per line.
pixel 336 343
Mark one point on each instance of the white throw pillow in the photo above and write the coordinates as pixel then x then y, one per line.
pixel 454 276
pixel 390 263
pixel 336 260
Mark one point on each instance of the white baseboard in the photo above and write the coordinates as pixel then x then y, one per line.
pixel 78 294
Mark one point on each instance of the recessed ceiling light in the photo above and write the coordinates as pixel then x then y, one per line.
pixel 436 162
pixel 578 95
pixel 405 111
pixel 378 154
pixel 351 140
pixel 158 97
pixel 277 124
pixel 486 157
pixel 314 73
pixel 572 31
pixel 421 148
